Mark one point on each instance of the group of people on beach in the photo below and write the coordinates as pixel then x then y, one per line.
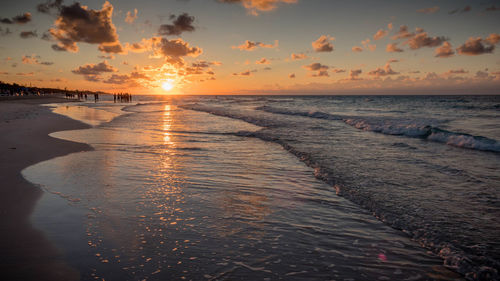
pixel 122 97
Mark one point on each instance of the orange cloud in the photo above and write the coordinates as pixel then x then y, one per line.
pixel 250 46
pixel 254 6
pixel 131 17
pixel 300 56
pixel 263 61
pixel 445 51
pixel 380 34
pixel 323 44
pixel 357 49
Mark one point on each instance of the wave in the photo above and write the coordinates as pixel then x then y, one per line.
pixel 401 127
pixel 466 260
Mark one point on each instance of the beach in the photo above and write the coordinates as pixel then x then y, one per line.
pixel 24 129
pixel 239 188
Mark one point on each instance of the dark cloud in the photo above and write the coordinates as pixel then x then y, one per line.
pixel 33 59
pixel 49 6
pixel 354 74
pixel 250 46
pixel 456 71
pixel 28 34
pixel 5 32
pixel 430 10
pixel 174 49
pixel 180 24
pixel 319 69
pixel 464 10
pixel 387 70
pixel 323 44
pixel 475 46
pixel 76 23
pixel 445 51
pixel 94 69
pixel 402 33
pixel 492 8
pixel 422 40
pixel 300 56
pixel 263 61
pixel 205 64
pixel 244 73
pixel 117 79
pixel 393 48
pixel 20 19
pixel 291 76
pixel 337 70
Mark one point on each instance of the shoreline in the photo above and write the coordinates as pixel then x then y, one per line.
pixel 25 126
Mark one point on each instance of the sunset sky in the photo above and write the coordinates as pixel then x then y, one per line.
pixel 253 46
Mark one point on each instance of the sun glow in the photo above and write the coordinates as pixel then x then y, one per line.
pixel 167 85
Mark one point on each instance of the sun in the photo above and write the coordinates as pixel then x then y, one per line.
pixel 167 85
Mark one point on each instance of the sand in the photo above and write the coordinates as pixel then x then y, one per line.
pixel 26 254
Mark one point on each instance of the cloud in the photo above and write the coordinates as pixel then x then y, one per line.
pixel 464 10
pixel 25 73
pixel 180 24
pixel 455 71
pixel 263 61
pixel 393 48
pixel 5 32
pixel 113 48
pixel 380 34
pixel 445 51
pixel 338 70
pixel 422 40
pixel 430 10
pixel 205 64
pixel 173 49
pixel 323 44
pixel 254 6
pixel 475 46
pixel 117 79
pixel 492 8
pixel 492 39
pixel 354 74
pixel 319 69
pixel 77 23
pixel 300 56
pixel 94 69
pixel 250 46
pixel 48 6
pixel 291 76
pixel 20 19
pixel 244 73
pixel 27 34
pixel 131 17
pixel 402 33
pixel 387 70
pixel 368 46
pixel 357 49
pixel 34 59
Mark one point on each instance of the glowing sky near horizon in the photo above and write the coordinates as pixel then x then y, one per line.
pixel 253 46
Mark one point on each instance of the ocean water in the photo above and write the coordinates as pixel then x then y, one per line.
pixel 293 188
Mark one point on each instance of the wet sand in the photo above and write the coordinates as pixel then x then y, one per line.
pixel 24 141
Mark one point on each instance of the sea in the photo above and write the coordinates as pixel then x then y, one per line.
pixel 277 188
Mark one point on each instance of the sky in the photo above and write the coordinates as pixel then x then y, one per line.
pixel 253 46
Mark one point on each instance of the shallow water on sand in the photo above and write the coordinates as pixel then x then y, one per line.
pixel 170 193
